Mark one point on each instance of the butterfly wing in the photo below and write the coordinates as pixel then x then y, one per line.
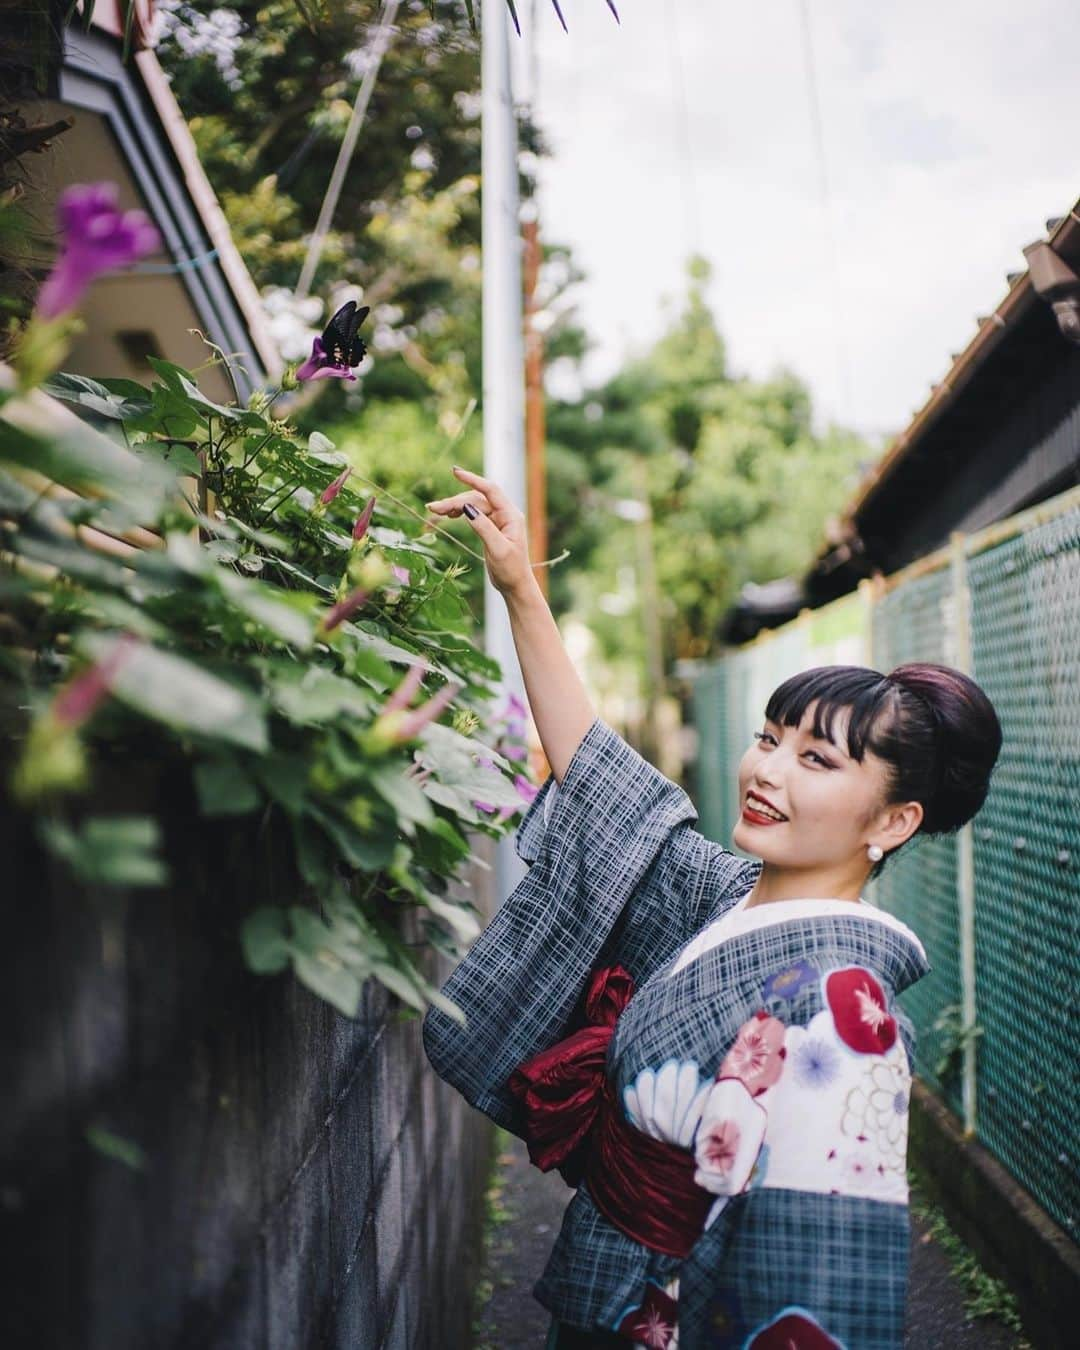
pixel 339 339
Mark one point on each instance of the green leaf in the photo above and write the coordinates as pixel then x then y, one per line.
pixel 453 758
pixel 328 958
pixel 181 694
pixel 398 983
pixel 315 694
pixel 363 852
pixel 174 376
pixel 196 396
pixel 455 846
pixel 115 1146
pixel 109 850
pixel 283 777
pixel 116 612
pixel 87 462
pixel 446 1005
pixel 264 941
pixel 405 795
pixel 460 920
pixel 180 458
pixel 390 651
pixel 270 608
pixel 340 986
pixel 320 445
pixel 315 854
pixel 224 788
pixel 96 397
pixel 453 799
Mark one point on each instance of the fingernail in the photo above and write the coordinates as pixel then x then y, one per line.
pixel 470 511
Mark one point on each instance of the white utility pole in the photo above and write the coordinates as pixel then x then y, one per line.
pixel 503 342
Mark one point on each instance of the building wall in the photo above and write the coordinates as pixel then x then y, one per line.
pixel 301 1179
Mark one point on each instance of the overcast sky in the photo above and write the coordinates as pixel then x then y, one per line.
pixel 950 134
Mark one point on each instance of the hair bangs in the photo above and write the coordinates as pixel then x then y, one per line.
pixel 854 689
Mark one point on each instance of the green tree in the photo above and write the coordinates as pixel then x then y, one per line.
pixel 736 481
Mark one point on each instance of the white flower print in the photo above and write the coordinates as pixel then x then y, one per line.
pixel 729 1138
pixel 667 1104
pixel 876 1108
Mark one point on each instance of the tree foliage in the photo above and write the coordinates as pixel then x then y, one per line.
pixel 735 480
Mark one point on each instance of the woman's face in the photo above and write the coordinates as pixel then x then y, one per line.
pixel 832 803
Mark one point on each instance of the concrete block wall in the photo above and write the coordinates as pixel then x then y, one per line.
pixel 305 1179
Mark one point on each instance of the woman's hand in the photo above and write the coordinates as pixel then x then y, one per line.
pixel 500 525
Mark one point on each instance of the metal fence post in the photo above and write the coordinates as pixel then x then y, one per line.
pixel 965 844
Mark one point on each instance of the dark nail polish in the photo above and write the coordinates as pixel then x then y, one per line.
pixel 470 511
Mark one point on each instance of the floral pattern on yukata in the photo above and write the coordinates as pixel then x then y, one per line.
pixel 820 1107
pixel 793 1329
pixel 653 1325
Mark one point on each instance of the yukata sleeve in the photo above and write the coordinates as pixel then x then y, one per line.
pixel 615 870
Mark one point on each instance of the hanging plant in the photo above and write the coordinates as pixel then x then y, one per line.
pixel 299 642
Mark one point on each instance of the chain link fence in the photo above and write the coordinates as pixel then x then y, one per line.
pixel 998 905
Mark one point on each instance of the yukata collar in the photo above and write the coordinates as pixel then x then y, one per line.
pixel 903 959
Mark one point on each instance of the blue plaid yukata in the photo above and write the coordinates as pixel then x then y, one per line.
pixel 768 1042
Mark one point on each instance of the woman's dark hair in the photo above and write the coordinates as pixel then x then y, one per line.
pixel 934 728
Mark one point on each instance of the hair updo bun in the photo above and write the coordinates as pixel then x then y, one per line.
pixel 943 706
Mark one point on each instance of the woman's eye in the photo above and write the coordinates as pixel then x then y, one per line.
pixel 768 736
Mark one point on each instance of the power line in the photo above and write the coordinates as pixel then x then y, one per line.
pixel 843 372
pixel 686 158
pixel 376 52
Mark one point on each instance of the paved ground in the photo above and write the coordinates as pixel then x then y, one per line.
pixel 529 1208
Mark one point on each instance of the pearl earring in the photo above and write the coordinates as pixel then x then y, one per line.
pixel 875 852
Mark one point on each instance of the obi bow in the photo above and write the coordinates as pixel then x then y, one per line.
pixel 573 1122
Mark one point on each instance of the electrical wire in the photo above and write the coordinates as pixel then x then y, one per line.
pixel 687 177
pixel 840 356
pixel 377 51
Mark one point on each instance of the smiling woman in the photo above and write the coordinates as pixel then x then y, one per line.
pixel 851 764
pixel 710 1049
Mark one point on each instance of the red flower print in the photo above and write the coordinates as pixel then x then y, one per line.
pixel 794 1330
pixel 653 1324
pixel 859 1010
pixel 720 1145
pixel 757 1057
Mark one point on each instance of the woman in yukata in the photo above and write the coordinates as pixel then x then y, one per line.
pixel 709 1048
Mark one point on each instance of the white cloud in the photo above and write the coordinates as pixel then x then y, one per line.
pixel 948 136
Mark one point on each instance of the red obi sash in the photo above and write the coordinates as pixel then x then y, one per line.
pixel 573 1122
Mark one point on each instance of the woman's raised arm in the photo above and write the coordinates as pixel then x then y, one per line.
pixel 560 706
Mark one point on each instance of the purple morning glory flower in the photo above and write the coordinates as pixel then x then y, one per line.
pixel 515 708
pixel 525 790
pixel 786 983
pixel 320 366
pixel 95 237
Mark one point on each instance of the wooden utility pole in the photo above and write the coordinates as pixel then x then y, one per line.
pixel 535 473
pixel 649 600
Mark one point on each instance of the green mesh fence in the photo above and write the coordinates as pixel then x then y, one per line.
pixel 914 622
pixel 1023 598
pixel 1025 606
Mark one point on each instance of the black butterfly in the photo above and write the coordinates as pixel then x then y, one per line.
pixel 340 344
